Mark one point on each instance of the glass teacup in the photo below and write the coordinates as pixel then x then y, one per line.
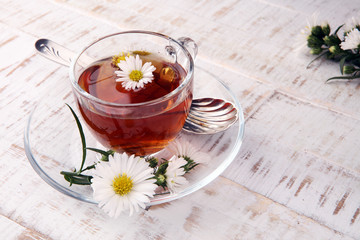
pixel 135 126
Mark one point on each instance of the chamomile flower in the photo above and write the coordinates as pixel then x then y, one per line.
pixel 174 174
pixel 302 40
pixel 351 24
pixel 184 149
pixel 123 183
pixel 352 40
pixel 133 74
pixel 120 57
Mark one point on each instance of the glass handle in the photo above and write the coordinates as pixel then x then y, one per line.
pixel 190 45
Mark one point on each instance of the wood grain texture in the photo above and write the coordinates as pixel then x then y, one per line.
pixel 297 175
pixel 12 230
pixel 304 175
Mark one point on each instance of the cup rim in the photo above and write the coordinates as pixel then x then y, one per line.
pixel 88 96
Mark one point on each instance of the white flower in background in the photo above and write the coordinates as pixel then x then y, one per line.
pixel 174 174
pixel 306 32
pixel 351 24
pixel 182 148
pixel 312 22
pixel 352 40
pixel 123 183
pixel 133 74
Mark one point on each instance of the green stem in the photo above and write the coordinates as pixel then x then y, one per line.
pixel 89 167
pixel 322 54
pixel 105 154
pixel 76 178
pixel 83 142
pixel 353 76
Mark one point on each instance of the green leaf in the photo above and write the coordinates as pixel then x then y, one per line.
pixel 82 135
pixel 190 164
pixel 342 62
pixel 162 168
pixel 338 29
pixel 324 53
pixel 153 161
pixel 342 78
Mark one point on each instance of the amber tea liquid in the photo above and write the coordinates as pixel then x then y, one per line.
pixel 138 135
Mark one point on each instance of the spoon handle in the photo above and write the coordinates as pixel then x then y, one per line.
pixel 54 51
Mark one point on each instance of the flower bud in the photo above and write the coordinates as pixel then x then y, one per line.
pixel 332 40
pixel 348 69
pixel 161 180
pixel 327 41
pixel 317 31
pixel 325 28
pixel 316 51
pixel 153 162
pixel 314 42
pixel 334 49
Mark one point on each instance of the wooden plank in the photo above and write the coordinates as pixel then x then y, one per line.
pixel 221 210
pixel 302 162
pixel 12 230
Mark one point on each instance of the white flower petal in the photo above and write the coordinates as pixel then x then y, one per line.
pixel 352 40
pixel 147 67
pixel 143 175
pixel 127 66
pixel 147 189
pixel 111 202
pixel 136 206
pixel 124 67
pixel 174 172
pixel 301 41
pixel 119 207
pixel 140 198
pixel 351 24
pixel 138 63
pixel 183 148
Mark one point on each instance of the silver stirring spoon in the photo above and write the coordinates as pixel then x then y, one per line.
pixel 206 116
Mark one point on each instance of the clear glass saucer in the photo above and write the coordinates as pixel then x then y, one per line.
pixel 53 144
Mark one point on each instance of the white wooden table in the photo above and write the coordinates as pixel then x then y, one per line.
pixel 297 175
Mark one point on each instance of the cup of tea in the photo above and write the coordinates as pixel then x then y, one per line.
pixel 134 89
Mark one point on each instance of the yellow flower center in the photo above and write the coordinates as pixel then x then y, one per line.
pixel 121 57
pixel 136 75
pixel 122 184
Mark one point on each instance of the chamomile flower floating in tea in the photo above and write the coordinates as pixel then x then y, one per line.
pixel 133 74
pixel 123 183
pixel 121 57
pixel 143 77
